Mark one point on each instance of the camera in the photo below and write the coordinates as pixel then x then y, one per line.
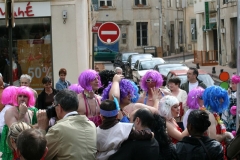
pixel 51 112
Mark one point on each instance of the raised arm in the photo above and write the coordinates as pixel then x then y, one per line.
pixel 115 89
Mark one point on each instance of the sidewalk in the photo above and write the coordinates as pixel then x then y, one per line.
pixel 189 63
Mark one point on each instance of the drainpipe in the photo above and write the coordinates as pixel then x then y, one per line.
pixel 219 34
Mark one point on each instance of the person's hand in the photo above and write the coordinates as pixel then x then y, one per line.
pixel 23 108
pixel 228 136
pixel 156 94
pixel 117 78
pixel 43 121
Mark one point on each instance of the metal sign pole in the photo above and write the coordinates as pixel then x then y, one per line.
pixel 238 66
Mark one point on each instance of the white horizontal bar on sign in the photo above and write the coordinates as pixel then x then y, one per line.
pixel 108 32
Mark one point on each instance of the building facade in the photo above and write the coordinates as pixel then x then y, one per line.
pixel 48 35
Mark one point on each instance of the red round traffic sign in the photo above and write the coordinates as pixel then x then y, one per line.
pixel 109 33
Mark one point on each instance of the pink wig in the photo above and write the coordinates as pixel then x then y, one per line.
pixel 155 76
pixel 233 110
pixel 76 88
pixel 86 77
pixel 25 91
pixel 9 95
pixel 193 96
pixel 235 79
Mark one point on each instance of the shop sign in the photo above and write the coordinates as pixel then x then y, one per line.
pixel 28 9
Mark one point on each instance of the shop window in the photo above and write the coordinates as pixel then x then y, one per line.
pixel 140 2
pixel 32 50
pixel 193 30
pixel 142 33
pixel 105 3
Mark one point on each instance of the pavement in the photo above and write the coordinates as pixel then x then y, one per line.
pixel 218 68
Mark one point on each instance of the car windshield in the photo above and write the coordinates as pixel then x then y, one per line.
pixel 164 70
pixel 125 56
pixel 143 56
pixel 206 78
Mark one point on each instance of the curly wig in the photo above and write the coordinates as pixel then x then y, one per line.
pixel 155 76
pixel 165 106
pixel 212 96
pixel 235 79
pixel 106 78
pixel 86 77
pixel 126 87
pixel 76 88
pixel 193 96
pixel 9 95
pixel 25 91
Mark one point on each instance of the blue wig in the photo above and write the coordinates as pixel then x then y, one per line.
pixel 212 98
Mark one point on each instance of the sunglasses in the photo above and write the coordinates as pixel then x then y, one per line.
pixel 24 96
pixel 150 80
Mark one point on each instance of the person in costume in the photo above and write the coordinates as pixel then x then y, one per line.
pixel 111 133
pixel 169 108
pixel 76 88
pixel 89 102
pixel 127 95
pixel 21 110
pixel 106 77
pixel 15 129
pixel 216 102
pixel 152 79
pixel 194 102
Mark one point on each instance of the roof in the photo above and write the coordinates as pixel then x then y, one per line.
pixel 184 72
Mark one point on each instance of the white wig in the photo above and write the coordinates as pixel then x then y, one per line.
pixel 165 106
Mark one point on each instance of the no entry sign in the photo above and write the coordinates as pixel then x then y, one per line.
pixel 109 33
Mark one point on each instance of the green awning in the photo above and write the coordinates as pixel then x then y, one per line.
pixel 212 25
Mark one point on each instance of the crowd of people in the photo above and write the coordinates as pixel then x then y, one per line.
pixel 105 116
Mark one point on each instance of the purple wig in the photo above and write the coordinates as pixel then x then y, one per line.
pixel 212 96
pixel 25 91
pixel 193 96
pixel 76 88
pixel 9 95
pixel 235 79
pixel 155 76
pixel 126 88
pixel 86 77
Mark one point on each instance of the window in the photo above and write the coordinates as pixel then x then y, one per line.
pixel 180 33
pixel 190 2
pixel 105 3
pixel 225 1
pixel 193 30
pixel 169 3
pixel 142 33
pixel 141 2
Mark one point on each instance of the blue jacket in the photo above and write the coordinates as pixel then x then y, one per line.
pixel 60 85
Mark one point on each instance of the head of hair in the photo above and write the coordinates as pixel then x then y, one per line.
pixel 118 68
pixel 235 79
pixel 76 88
pixel 46 80
pixel 9 95
pixel 25 91
pixel 156 123
pixel 164 80
pixel 165 106
pixel 126 87
pixel 62 71
pixel 67 99
pixel 14 130
pixel 195 71
pixel 106 77
pixel 88 76
pixel 155 76
pixel 193 96
pixel 175 80
pixel 32 144
pixel 199 121
pixel 215 99
pixel 108 105
pixel 29 78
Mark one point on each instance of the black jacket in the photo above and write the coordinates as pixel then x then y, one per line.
pixel 185 86
pixel 41 99
pixel 189 148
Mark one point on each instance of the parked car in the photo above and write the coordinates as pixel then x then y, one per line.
pixel 121 59
pixel 131 62
pixel 144 65
pixel 182 74
pixel 104 54
pixel 166 67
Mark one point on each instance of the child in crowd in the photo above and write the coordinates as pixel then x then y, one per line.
pixel 111 133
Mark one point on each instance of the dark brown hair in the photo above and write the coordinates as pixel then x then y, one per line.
pixel 46 79
pixel 62 71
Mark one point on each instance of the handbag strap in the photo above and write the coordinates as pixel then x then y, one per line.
pixel 209 157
